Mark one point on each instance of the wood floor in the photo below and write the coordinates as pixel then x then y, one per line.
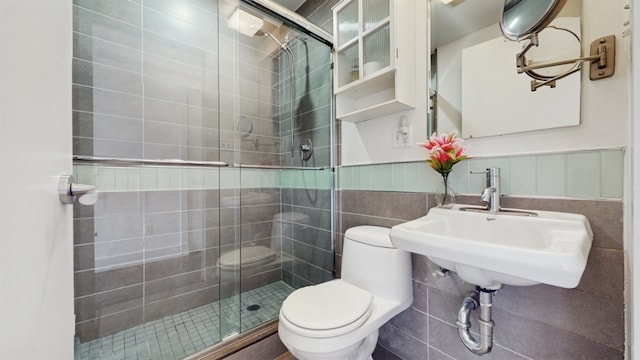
pixel 285 356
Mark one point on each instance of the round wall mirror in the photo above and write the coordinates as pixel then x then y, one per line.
pixel 522 18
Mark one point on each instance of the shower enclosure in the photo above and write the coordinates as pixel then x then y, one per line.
pixel 211 149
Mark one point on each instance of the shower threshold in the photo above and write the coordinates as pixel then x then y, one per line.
pixel 186 333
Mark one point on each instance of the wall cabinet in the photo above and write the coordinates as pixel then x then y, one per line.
pixel 374 72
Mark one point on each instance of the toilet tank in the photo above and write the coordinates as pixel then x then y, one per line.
pixel 371 262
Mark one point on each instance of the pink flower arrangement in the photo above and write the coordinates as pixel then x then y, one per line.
pixel 446 150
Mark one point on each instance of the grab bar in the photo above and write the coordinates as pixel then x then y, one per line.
pixel 159 162
pixel 178 162
pixel 278 167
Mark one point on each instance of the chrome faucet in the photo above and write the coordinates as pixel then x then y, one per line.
pixel 491 194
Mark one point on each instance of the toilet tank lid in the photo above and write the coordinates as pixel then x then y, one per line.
pixel 372 235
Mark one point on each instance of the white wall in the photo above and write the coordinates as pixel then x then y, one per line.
pixel 632 194
pixel 604 109
pixel 450 77
pixel 36 257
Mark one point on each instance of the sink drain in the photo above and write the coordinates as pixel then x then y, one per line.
pixel 253 307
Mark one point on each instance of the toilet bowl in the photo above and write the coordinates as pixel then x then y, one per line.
pixel 339 319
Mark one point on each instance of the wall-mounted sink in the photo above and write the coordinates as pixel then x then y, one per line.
pixel 489 249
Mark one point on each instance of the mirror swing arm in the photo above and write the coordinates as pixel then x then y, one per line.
pixel 525 19
pixel 601 59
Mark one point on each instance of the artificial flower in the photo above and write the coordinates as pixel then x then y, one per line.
pixel 445 151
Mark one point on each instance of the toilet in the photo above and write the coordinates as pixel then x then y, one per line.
pixel 255 258
pixel 339 319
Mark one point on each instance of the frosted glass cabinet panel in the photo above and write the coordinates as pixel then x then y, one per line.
pixel 374 11
pixel 375 66
pixel 346 73
pixel 347 19
pixel 375 50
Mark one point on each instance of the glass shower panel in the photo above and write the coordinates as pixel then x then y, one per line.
pixel 231 66
pixel 284 92
pixel 285 96
pixel 261 282
pixel 229 258
pixel 303 225
pixel 312 103
pixel 145 86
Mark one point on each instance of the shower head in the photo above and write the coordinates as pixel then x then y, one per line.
pixel 284 46
pixel 251 25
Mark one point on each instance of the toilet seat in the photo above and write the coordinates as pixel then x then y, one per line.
pixel 329 309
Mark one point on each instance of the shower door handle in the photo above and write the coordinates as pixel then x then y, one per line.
pixel 68 190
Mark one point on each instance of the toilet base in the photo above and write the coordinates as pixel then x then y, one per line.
pixel 361 350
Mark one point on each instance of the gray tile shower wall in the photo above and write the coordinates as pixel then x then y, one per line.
pixel 534 322
pixel 319 13
pixel 312 103
pixel 150 83
pixel 316 76
pixel 308 241
pixel 140 256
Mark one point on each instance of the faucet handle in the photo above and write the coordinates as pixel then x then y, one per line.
pixel 487 174
pixel 492 176
pixel 492 171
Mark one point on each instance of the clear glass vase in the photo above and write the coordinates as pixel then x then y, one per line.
pixel 445 197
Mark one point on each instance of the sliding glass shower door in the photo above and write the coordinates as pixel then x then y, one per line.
pixel 204 221
pixel 277 98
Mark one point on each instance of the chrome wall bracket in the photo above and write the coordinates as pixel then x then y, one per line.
pixel 602 59
pixel 605 51
pixel 68 191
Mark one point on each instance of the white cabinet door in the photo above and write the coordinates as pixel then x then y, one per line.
pixel 36 245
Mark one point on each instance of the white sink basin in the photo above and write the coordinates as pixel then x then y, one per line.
pixel 489 250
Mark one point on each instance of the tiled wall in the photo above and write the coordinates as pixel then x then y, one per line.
pixel 587 174
pixel 145 89
pixel 534 322
pixel 143 255
pixel 309 241
pixel 312 107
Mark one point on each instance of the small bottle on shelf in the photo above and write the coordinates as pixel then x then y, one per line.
pixel 355 71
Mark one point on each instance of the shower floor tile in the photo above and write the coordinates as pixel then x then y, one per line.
pixel 180 335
